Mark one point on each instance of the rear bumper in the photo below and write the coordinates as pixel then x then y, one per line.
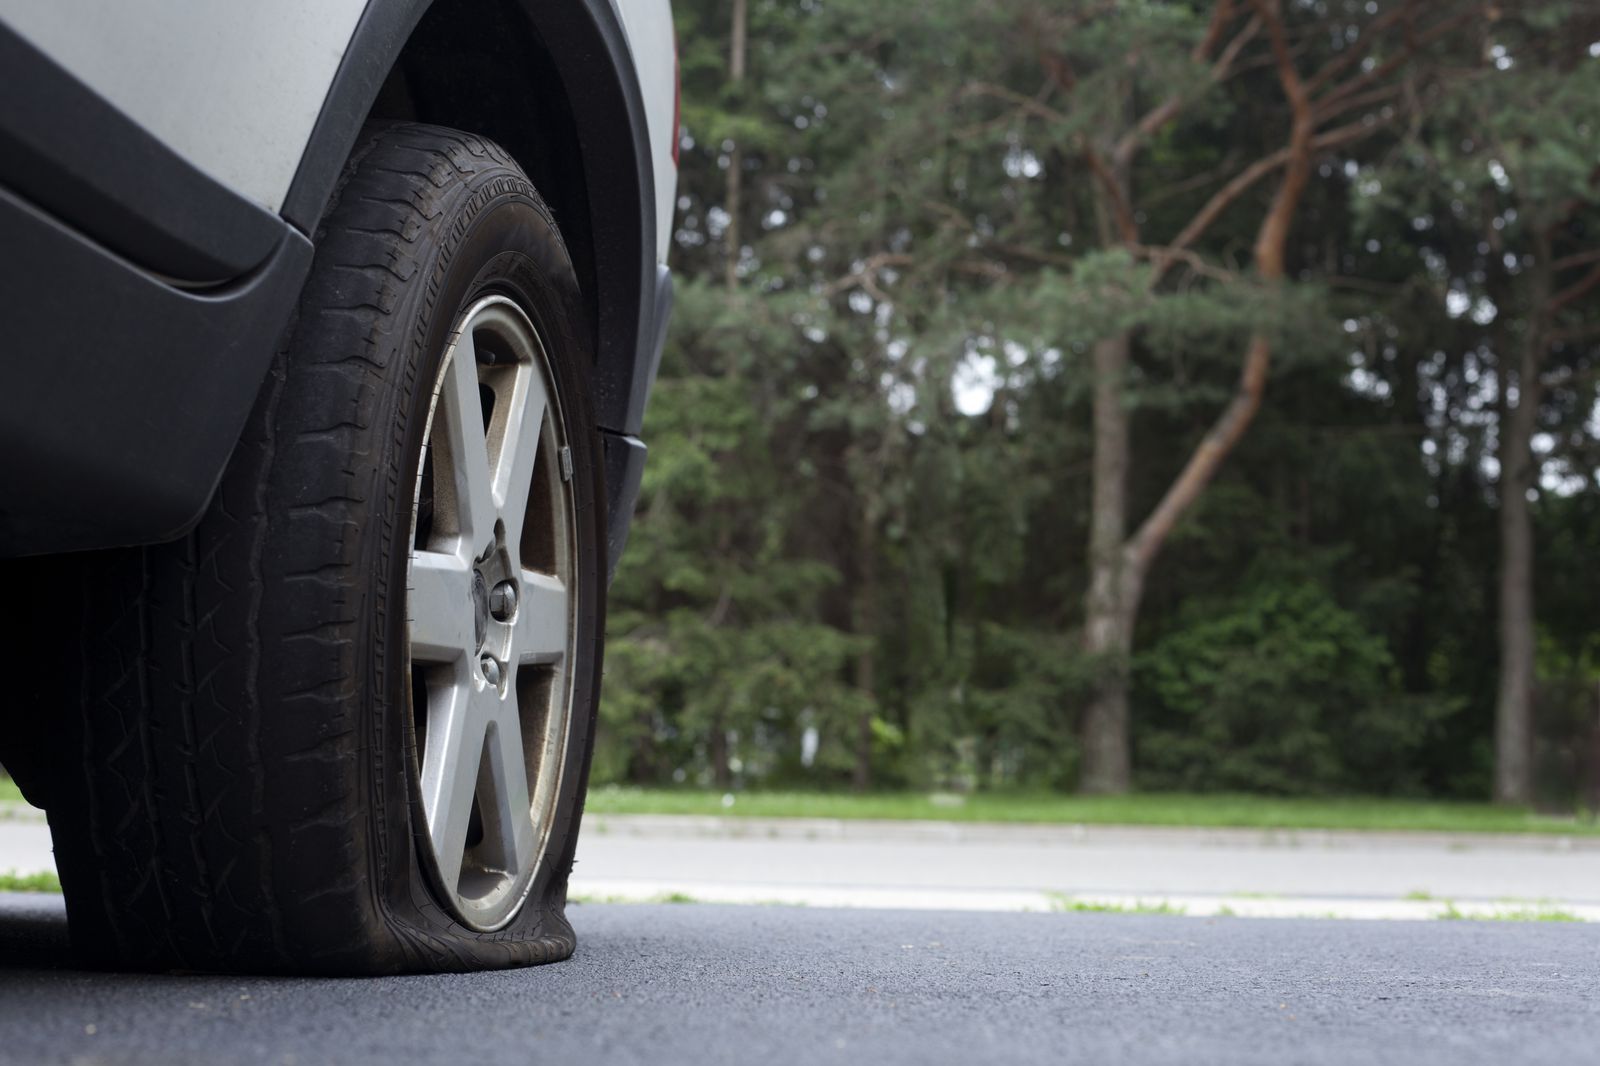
pixel 123 394
pixel 624 460
pixel 624 452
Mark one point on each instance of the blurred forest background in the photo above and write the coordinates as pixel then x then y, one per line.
pixel 1108 394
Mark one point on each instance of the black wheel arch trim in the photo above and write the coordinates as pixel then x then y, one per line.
pixel 126 409
pixel 589 48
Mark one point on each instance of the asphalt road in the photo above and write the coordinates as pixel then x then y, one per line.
pixel 703 984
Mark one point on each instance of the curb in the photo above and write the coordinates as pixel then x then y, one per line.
pixel 618 890
pixel 17 811
pixel 670 826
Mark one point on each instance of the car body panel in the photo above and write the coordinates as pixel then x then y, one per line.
pixel 649 26
pixel 262 103
pixel 234 88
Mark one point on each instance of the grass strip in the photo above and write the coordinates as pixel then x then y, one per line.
pixel 44 881
pixel 1144 809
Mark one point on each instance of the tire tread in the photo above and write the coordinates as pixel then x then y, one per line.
pixel 220 671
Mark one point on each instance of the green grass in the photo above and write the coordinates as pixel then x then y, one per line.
pixel 1061 903
pixel 663 897
pixel 1153 809
pixel 11 881
pixel 9 792
pixel 1534 913
pixel 675 897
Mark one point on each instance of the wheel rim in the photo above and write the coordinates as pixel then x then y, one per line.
pixel 490 607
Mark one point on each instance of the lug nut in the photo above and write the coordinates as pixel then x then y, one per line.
pixel 491 670
pixel 503 601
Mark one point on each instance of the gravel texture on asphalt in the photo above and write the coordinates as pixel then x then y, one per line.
pixel 706 984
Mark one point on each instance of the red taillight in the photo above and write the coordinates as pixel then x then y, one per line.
pixel 677 98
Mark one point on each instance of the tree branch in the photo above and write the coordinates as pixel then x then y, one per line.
pixel 1121 210
pixel 1413 45
pixel 1362 45
pixel 1591 331
pixel 1250 175
pixel 1059 72
pixel 1164 112
pixel 1166 255
pixel 1271 241
pixel 1274 235
pixel 1230 54
pixel 1326 110
pixel 1576 259
pixel 1575 291
pixel 1030 104
pixel 865 276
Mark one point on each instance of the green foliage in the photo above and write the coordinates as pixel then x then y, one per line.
pixel 860 541
pixel 1279 690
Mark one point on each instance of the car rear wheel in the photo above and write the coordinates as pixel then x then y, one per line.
pixel 345 724
pixel 489 613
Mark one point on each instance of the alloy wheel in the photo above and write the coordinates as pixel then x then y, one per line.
pixel 490 613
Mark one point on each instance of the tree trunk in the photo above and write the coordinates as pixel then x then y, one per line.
pixel 1107 762
pixel 1513 715
pixel 643 766
pixel 1591 774
pixel 735 207
pixel 866 627
pixel 720 774
pixel 1117 570
pixel 1513 718
pixel 861 777
pixel 1109 603
pixel 736 67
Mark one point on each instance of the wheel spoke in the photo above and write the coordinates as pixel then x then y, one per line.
pixel 515 445
pixel 454 750
pixel 462 487
pixel 439 606
pixel 541 635
pixel 503 789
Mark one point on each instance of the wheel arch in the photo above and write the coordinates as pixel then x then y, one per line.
pixel 554 84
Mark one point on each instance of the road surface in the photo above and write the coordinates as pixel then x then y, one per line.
pixel 706 985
